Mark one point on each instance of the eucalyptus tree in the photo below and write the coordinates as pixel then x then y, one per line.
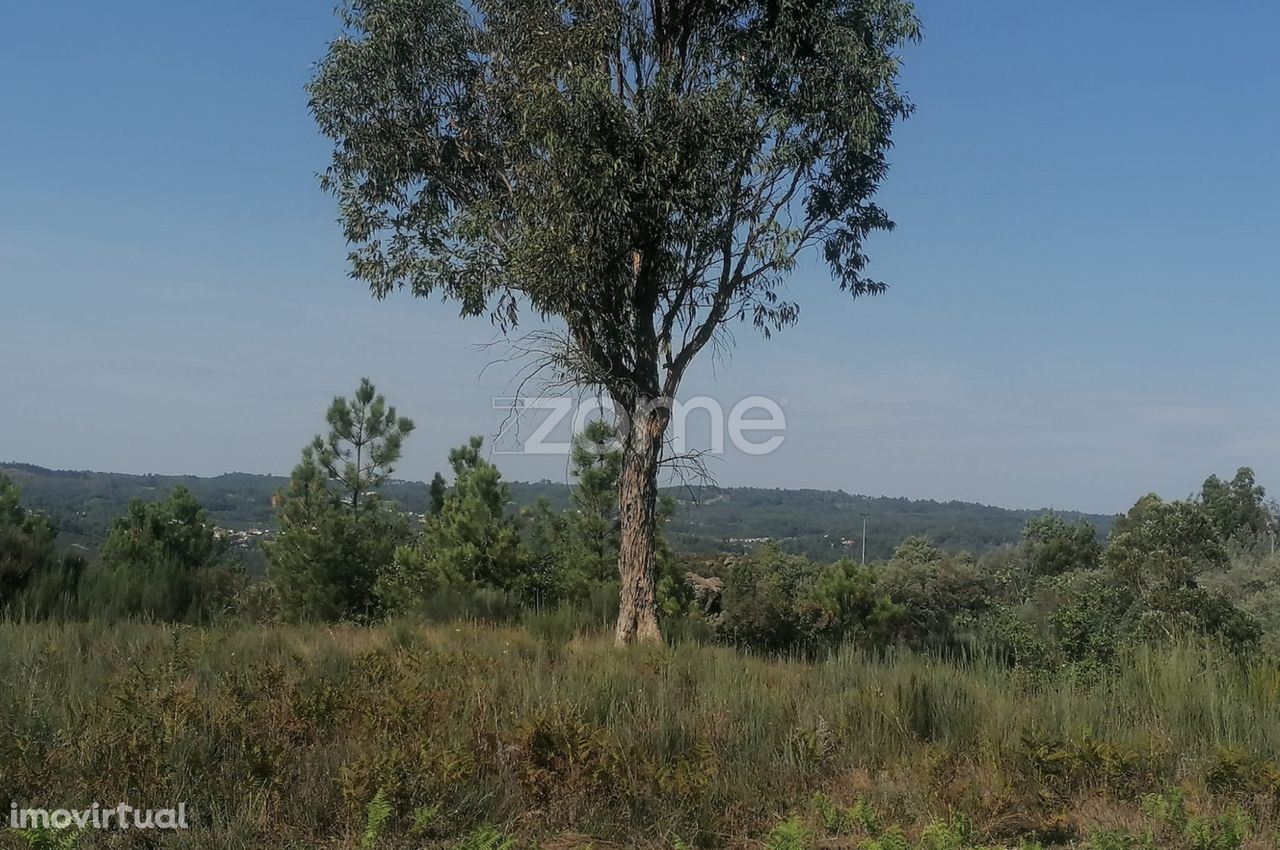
pixel 639 174
pixel 1237 507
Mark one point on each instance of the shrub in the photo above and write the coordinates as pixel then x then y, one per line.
pixel 758 606
pixel 1163 545
pixel 36 581
pixel 939 597
pixel 1053 546
pixel 791 834
pixel 846 603
pixel 162 561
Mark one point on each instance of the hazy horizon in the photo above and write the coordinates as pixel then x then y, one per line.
pixel 565 481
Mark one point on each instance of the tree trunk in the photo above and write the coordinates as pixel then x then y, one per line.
pixel 638 514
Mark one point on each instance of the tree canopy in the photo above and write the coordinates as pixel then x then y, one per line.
pixel 644 172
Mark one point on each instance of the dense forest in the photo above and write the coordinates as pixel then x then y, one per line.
pixel 817 523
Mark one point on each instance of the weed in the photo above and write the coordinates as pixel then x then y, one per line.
pixel 791 834
pixel 377 814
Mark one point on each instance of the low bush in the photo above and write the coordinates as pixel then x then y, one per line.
pixel 420 736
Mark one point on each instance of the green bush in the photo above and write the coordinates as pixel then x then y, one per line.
pixel 36 580
pixel 162 561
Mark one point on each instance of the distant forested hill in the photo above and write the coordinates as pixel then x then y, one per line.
pixel 820 523
pixel 827 524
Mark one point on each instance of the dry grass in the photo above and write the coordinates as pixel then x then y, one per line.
pixel 282 736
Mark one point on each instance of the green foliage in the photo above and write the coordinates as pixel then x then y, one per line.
pixel 1227 831
pixel 1237 507
pixel 922 597
pixel 1089 619
pixel 846 603
pixel 917 550
pixel 1157 552
pixel 436 493
pixel 953 835
pixel 473 533
pixel 162 561
pixel 790 834
pixel 892 838
pixel 584 174
pixel 1193 609
pixel 424 816
pixel 26 542
pixel 1091 622
pixel 1114 839
pixel 1239 772
pixel 1054 546
pixel 478 557
pixel 778 602
pixel 940 596
pixel 337 536
pixel 675 596
pixel 175 530
pixel 596 461
pixel 413 576
pixel 471 725
pixel 550 573
pixel 471 541
pixel 761 591
pixel 326 557
pixel 637 178
pixel 1162 545
pixel 364 443
pixel 1176 826
pixel 486 838
pixel 36 580
pixel 842 820
pixel 377 813
pixel 1148 590
pixel 48 838
pixel 823 525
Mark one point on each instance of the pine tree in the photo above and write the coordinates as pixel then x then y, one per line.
pixel 162 560
pixel 597 463
pixel 363 445
pixel 35 580
pixel 472 531
pixel 336 536
pixel 470 541
pixel 439 487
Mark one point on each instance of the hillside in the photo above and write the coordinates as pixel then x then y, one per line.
pixel 820 523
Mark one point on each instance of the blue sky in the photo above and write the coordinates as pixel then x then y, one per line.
pixel 1082 278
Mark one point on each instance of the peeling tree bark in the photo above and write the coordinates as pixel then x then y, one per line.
pixel 638 514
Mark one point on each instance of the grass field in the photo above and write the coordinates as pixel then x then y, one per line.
pixel 409 736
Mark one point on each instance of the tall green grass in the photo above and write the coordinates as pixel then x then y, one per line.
pixel 283 736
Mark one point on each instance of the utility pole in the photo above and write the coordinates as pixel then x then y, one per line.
pixel 864 516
